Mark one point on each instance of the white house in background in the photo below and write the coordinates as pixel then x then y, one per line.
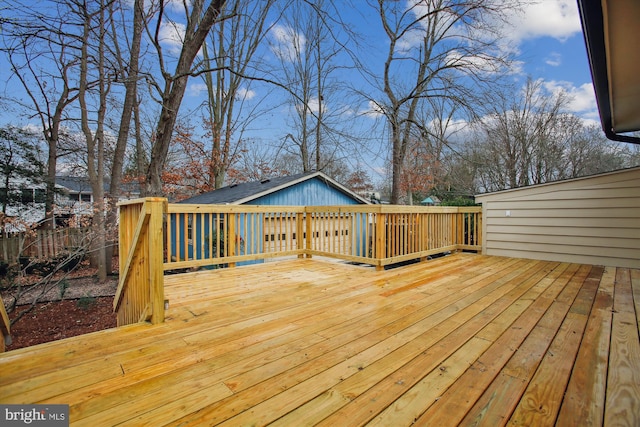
pixel 73 200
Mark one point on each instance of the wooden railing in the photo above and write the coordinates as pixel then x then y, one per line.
pixel 217 235
pixel 140 293
pixel 382 235
pixel 157 237
pixel 5 327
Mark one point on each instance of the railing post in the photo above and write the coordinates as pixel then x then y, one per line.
pixel 308 234
pixel 479 235
pixel 381 240
pixel 157 209
pixel 453 233
pixel 300 240
pixel 231 238
pixel 460 228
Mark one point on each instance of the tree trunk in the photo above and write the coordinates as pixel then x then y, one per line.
pixel 195 35
pixel 130 99
pixel 396 165
pixel 95 142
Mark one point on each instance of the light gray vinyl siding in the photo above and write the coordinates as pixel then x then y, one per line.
pixel 591 220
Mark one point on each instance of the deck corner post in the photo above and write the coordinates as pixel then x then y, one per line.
pixel 157 210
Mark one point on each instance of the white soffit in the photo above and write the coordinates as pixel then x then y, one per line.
pixel 622 38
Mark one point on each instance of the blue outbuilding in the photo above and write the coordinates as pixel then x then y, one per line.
pixel 305 189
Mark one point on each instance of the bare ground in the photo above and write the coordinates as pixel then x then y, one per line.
pixel 78 305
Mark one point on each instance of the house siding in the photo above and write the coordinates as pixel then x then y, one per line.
pixel 313 192
pixel 591 220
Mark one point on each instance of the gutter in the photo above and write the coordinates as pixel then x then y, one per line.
pixel 592 19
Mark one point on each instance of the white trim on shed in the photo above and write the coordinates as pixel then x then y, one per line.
pixel 590 220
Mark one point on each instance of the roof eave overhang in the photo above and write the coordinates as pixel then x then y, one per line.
pixel 601 47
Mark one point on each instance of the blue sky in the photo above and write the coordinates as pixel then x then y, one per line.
pixel 545 38
pixel 552 48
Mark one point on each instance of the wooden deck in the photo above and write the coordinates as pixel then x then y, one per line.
pixel 464 339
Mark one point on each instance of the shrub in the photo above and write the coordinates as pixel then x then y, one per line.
pixel 87 302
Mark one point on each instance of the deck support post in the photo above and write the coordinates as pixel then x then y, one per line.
pixel 157 210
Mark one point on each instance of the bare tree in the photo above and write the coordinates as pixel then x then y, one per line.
pixel 42 52
pixel 437 48
pixel 92 55
pixel 200 20
pixel 589 152
pixel 64 53
pixel 126 71
pixel 431 145
pixel 256 162
pixel 307 46
pixel 527 137
pixel 521 130
pixel 21 161
pixel 233 43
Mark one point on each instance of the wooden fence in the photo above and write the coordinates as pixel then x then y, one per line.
pixel 157 237
pixel 41 243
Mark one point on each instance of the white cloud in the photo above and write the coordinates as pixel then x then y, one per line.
pixel 172 36
pixel 554 59
pixel 313 105
pixel 553 18
pixel 475 47
pixel 582 98
pixel 245 94
pixel 177 5
pixel 32 129
pixel 453 126
pixel 195 89
pixel 287 43
pixel 485 63
pixel 410 40
pixel 373 111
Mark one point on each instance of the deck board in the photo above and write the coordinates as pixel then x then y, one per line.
pixel 464 339
pixel 623 382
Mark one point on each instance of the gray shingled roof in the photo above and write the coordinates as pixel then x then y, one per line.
pixel 242 193
pixel 75 183
pixel 78 184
